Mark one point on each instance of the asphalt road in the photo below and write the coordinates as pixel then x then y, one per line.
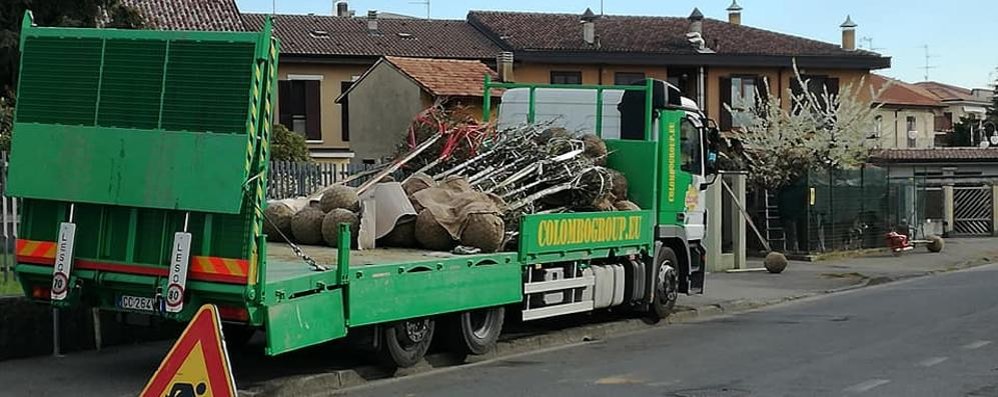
pixel 932 336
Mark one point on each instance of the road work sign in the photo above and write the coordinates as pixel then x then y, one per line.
pixel 197 365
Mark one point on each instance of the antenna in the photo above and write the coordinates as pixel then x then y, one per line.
pixel 928 57
pixel 425 3
pixel 869 44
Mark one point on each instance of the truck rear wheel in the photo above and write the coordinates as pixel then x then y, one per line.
pixel 404 343
pixel 476 331
pixel 665 284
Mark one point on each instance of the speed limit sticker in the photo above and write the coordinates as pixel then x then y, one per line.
pixel 63 261
pixel 179 262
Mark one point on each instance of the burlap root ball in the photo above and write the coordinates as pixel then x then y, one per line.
pixel 306 226
pixel 331 226
pixel 551 133
pixel 595 148
pixel 483 231
pixel 625 205
pixel 339 196
pixel 278 218
pixel 775 262
pixel 402 236
pixel 416 182
pixel 618 185
pixel 430 235
pixel 936 244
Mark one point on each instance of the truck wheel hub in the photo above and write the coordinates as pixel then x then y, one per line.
pixel 414 331
pixel 668 282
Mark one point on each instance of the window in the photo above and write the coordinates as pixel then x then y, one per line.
pixel 817 86
pixel 561 77
pixel 689 141
pixel 628 78
pixel 878 126
pixel 911 131
pixel 345 111
pixel 741 94
pixel 300 107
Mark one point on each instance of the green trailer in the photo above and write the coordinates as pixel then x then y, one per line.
pixel 141 157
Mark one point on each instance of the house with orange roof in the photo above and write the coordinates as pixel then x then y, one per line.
pixel 383 101
pixel 907 115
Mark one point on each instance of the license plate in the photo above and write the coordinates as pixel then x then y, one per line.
pixel 137 303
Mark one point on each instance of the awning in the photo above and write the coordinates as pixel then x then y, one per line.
pixel 974 109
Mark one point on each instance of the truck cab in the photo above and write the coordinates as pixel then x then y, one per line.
pixel 621 113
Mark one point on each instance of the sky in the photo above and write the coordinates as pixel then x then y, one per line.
pixel 961 36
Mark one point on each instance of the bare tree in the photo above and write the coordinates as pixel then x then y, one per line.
pixel 818 130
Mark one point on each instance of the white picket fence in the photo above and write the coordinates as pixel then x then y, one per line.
pixel 9 217
pixel 295 179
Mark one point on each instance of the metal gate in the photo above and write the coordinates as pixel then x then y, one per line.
pixel 972 210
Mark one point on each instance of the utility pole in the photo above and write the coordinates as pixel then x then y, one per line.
pixel 928 58
pixel 601 8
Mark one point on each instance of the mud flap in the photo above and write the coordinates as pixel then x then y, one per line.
pixel 698 269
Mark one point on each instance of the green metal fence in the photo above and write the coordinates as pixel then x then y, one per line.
pixel 849 209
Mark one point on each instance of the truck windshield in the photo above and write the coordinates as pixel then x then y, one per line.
pixel 690 143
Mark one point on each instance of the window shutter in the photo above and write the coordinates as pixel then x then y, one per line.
pixel 284 103
pixel 725 115
pixel 313 111
pixel 763 98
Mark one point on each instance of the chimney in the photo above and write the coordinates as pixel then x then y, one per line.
pixel 848 34
pixel 696 22
pixel 372 21
pixel 504 64
pixel 589 26
pixel 342 9
pixel 735 13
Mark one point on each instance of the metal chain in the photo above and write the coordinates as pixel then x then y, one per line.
pixel 295 248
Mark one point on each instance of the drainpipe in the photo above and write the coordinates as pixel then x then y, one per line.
pixel 700 89
pixel 897 140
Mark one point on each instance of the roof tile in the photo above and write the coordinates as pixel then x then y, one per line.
pixel 644 34
pixel 189 14
pixel 445 77
pixel 901 93
pixel 343 36
pixel 936 155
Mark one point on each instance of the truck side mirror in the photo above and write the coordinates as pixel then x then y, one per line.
pixel 710 181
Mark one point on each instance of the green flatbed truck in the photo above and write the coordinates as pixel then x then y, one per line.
pixel 141 157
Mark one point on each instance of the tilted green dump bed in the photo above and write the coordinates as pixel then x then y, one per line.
pixel 133 136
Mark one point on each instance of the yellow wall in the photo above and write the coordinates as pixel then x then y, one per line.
pixel 591 74
pixel 329 90
pixel 779 82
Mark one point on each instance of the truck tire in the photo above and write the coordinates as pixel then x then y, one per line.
pixel 404 343
pixel 665 284
pixel 475 332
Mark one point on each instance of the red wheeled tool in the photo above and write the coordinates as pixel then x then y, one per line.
pixel 899 243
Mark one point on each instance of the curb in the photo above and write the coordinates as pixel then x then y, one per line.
pixel 326 383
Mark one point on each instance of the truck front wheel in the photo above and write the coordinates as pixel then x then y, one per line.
pixel 404 343
pixel 476 331
pixel 666 284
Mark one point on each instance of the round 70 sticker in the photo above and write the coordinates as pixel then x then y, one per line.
pixel 60 283
pixel 174 295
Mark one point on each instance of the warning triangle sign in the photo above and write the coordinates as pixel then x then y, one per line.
pixel 197 365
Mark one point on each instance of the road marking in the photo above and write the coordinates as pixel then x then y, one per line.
pixel 976 345
pixel 932 361
pixel 866 386
pixel 619 380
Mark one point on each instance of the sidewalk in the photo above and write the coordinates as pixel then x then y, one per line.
pixel 811 278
